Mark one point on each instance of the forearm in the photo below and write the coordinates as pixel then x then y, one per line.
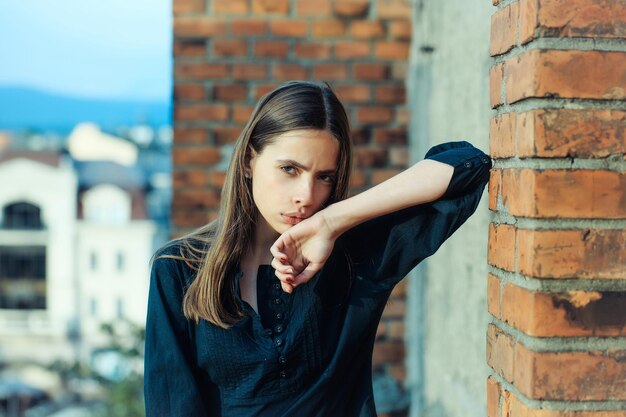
pixel 424 182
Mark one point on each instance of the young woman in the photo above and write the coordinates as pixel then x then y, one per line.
pixel 272 309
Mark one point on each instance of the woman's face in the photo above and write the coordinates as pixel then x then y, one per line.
pixel 293 176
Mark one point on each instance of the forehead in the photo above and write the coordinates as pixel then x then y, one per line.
pixel 317 148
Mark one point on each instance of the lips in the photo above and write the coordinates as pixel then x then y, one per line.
pixel 292 218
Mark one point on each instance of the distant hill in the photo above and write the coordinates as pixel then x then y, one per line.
pixel 30 109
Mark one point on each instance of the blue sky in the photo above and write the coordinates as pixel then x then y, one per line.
pixel 115 49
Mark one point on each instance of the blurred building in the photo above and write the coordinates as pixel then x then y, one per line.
pixel 76 236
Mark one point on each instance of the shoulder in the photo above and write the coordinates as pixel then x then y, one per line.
pixel 180 258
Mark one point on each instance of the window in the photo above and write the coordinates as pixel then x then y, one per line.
pixel 93 261
pixel 120 261
pixel 93 307
pixel 22 215
pixel 23 277
pixel 120 308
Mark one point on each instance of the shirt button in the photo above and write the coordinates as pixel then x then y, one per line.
pixel 277 301
pixel 485 161
pixel 282 360
pixel 283 374
pixel 468 164
pixel 278 329
pixel 278 342
pixel 276 286
pixel 279 316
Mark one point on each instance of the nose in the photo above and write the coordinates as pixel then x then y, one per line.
pixel 304 193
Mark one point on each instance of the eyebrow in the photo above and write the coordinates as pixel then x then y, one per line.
pixel 299 165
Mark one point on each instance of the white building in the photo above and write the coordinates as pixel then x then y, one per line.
pixel 70 259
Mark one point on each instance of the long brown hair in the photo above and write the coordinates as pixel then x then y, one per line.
pixel 216 249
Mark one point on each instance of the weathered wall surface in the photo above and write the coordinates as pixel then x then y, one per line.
pixel 448 90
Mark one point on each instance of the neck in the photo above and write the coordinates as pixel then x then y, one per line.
pixel 264 238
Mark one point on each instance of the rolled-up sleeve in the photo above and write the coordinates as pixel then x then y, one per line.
pixel 172 382
pixel 387 248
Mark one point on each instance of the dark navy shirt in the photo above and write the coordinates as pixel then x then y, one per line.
pixel 309 353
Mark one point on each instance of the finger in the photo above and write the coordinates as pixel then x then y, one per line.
pixel 286 278
pixel 307 274
pixel 277 253
pixel 283 268
pixel 286 287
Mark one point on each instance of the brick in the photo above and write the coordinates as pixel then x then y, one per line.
pixel 312 50
pixel 187 6
pixel 571 376
pixel 501 249
pixel 190 135
pixel 292 28
pixel 381 175
pixel 392 94
pixel 290 72
pixel 374 115
pixel 270 6
pixel 496 78
pixel 585 194
pixel 230 7
pixel 399 291
pixel 556 73
pixel 403 116
pixel 572 313
pixel 514 407
pixel 351 8
pixel 189 178
pixel 189 92
pixel 371 71
pixel 370 157
pixel 400 30
pixel 201 112
pixel 587 253
pixel 572 18
pixel 195 155
pixel 398 157
pixel 493 397
pixel 199 27
pixel 388 352
pixel 504 29
pixel 357 178
pixel 399 373
pixel 189 48
pixel 263 89
pixel 352 49
pixel 191 200
pixel 249 27
pixel 500 352
pixel 395 329
pixel 587 133
pixel 353 93
pixel 313 8
pixel 367 29
pixel 330 72
pixel 230 92
pixel 360 136
pixel 495 181
pixel 392 50
pixel 224 135
pixel 394 9
pixel 249 71
pixel 493 295
pixel 395 308
pixel 502 136
pixel 328 28
pixel 189 218
pixel 399 70
pixel 242 113
pixel 391 136
pixel 275 49
pixel 200 70
pixel 223 47
pixel 217 178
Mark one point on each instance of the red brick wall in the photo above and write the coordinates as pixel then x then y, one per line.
pixel 557 246
pixel 228 53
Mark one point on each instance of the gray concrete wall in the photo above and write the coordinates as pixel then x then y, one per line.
pixel 448 93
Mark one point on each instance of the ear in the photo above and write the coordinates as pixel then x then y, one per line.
pixel 250 158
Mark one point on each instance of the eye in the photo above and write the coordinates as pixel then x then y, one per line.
pixel 329 179
pixel 291 170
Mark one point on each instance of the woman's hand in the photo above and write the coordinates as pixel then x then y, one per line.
pixel 301 251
